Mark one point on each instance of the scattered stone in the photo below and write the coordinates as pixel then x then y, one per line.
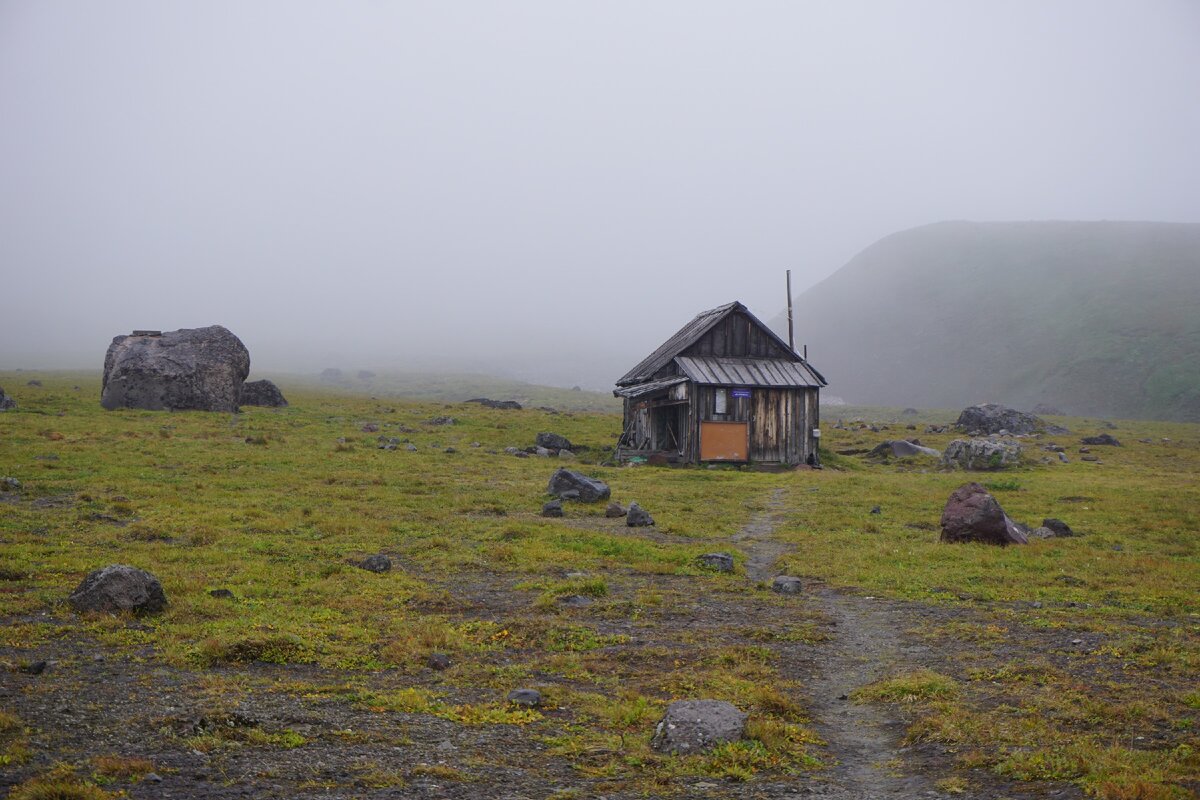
pixel 937 428
pixel 507 405
pixel 590 490
pixel 973 515
pixel 450 450
pixel 199 369
pixel 370 427
pixel 566 455
pixel 410 447
pixel 36 668
pixel 10 484
pixel 262 393
pixel 720 562
pixel 1094 459
pixel 615 511
pixel 151 777
pixel 530 698
pixel 438 661
pixel 1103 439
pixel 118 588
pixel 552 509
pixel 6 401
pixel 1059 527
pixel 376 563
pixel 876 510
pixel 442 421
pixel 574 601
pixel 475 444
pixel 221 594
pixel 1085 449
pixel 694 726
pixel 787 584
pixel 901 448
pixel 981 454
pixel 1063 458
pixel 553 441
pixel 638 517
pixel 993 418
pixel 36 383
pixel 543 452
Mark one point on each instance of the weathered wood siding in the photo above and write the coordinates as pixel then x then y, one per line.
pixel 737 336
pixel 781 422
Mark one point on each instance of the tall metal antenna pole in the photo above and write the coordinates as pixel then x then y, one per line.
pixel 791 331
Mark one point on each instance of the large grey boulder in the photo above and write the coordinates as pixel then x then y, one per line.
pixel 994 418
pixel 199 369
pixel 693 726
pixel 973 515
pixel 6 402
pixel 117 588
pixel 262 393
pixel 571 485
pixel 981 454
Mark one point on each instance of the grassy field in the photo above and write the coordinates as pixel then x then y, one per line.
pixel 279 505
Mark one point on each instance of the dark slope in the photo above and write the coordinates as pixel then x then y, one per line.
pixel 1099 318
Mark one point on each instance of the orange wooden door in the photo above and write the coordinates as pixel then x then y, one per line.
pixel 724 441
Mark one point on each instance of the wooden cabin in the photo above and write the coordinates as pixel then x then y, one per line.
pixel 724 388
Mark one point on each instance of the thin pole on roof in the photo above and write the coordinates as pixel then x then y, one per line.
pixel 791 331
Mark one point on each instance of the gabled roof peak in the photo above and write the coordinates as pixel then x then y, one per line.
pixel 688 335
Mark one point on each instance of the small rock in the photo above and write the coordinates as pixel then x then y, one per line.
pixel 614 511
pixel 590 490
pixel 566 455
pixel 1059 527
pixel 575 601
pixel 554 441
pixel 1063 458
pixel 438 661
pixel 443 421
pixel 10 484
pixel 36 668
pixel 151 777
pixel 449 450
pixel 476 444
pixel 543 452
pixel 876 510
pixel 118 588
pixel 1094 459
pixel 1103 439
pixel 638 517
pixel 376 563
pixel 787 584
pixel 221 594
pixel 410 447
pixel 552 509
pixel 720 562
pixel 530 698
pixel 693 726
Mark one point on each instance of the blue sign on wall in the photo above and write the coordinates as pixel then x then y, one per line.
pixel 741 393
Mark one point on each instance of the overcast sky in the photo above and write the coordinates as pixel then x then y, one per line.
pixel 547 188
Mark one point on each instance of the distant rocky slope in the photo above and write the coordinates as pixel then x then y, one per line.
pixel 1094 318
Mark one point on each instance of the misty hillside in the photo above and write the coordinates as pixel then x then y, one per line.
pixel 1095 318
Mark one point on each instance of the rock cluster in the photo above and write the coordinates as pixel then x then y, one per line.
pixel 981 454
pixel 197 369
pixel 1103 439
pixel 507 405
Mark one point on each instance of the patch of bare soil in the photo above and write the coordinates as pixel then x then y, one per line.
pixel 92 700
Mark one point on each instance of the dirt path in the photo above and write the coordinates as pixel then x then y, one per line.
pixel 863 741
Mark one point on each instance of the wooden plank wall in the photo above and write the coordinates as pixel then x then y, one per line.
pixel 737 336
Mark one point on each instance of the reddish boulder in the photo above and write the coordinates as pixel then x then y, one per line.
pixel 973 515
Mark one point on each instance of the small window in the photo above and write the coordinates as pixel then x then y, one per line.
pixel 720 401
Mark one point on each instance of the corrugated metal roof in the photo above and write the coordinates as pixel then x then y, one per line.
pixel 648 388
pixel 685 336
pixel 773 372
